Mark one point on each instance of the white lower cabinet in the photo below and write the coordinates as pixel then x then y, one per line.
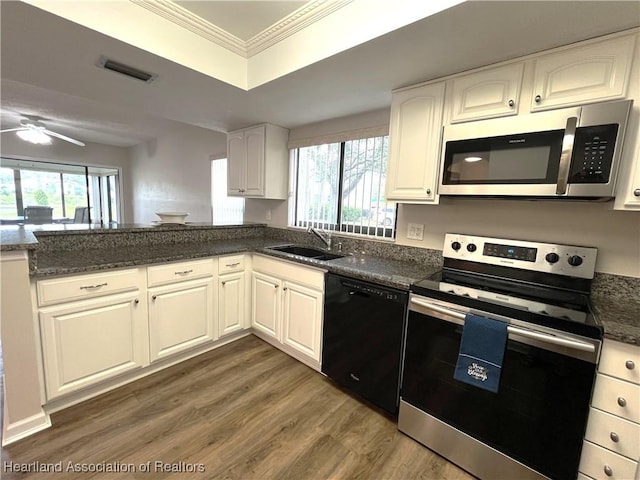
pixel 266 304
pixel 302 319
pixel 612 441
pixel 287 307
pixel 233 287
pixel 89 341
pixel 180 317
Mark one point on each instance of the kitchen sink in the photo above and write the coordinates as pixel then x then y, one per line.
pixel 309 252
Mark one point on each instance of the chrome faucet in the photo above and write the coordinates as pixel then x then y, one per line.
pixel 325 237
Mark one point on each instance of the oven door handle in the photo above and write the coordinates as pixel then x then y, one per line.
pixel 541 337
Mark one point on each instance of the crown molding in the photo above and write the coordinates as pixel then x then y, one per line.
pixel 195 24
pixel 301 18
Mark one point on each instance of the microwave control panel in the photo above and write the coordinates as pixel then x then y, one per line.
pixel 593 154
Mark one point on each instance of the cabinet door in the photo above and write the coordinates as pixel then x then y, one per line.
pixel 414 144
pixel 231 308
pixel 589 73
pixel 236 163
pixel 254 173
pixel 487 94
pixel 180 317
pixel 302 325
pixel 266 304
pixel 628 186
pixel 89 341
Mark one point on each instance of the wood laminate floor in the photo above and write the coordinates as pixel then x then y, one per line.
pixel 243 411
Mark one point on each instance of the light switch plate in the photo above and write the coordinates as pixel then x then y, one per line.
pixel 415 231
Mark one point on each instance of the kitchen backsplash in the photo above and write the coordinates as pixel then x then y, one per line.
pixel 351 244
pixel 126 236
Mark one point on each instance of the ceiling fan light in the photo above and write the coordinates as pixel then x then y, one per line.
pixel 34 136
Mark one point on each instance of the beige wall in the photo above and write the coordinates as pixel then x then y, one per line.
pixel 23 413
pixel 173 173
pixel 616 234
pixel 92 154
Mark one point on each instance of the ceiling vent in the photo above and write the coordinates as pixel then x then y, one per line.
pixel 126 70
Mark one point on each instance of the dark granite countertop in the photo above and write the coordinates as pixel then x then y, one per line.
pixel 394 273
pixel 620 317
pixel 15 238
pixel 24 237
pixel 615 299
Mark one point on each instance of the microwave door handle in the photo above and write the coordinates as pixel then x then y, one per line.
pixel 565 156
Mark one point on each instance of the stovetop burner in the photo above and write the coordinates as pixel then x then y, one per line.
pixel 516 279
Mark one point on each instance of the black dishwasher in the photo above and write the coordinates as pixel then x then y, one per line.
pixel 363 338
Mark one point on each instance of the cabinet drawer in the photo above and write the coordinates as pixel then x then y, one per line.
pixel 603 426
pixel 620 360
pixel 601 464
pixel 177 272
pixel 66 289
pixel 286 270
pixel 618 397
pixel 232 263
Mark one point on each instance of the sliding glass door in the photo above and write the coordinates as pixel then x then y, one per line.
pixel 44 192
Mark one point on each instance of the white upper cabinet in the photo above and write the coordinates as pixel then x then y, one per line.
pixel 414 144
pixel 489 93
pixel 584 74
pixel 258 160
pixel 628 196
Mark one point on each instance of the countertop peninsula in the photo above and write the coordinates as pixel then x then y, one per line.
pixel 73 249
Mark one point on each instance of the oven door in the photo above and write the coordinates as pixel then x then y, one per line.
pixel 538 417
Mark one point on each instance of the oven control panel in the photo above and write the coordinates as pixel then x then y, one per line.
pixel 569 260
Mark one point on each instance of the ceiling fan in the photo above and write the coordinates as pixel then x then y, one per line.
pixel 35 131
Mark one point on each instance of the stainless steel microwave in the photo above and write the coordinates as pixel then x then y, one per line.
pixel 567 153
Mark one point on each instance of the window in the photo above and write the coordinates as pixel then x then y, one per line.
pixel 340 187
pixel 229 210
pixel 68 191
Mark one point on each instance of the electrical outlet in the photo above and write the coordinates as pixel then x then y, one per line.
pixel 268 214
pixel 415 231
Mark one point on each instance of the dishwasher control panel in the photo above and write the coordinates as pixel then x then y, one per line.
pixel 364 289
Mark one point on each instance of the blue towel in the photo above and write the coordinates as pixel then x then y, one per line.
pixel 481 352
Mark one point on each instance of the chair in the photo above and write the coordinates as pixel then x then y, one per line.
pixel 81 215
pixel 38 215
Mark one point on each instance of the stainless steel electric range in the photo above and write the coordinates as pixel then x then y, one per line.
pixel 533 426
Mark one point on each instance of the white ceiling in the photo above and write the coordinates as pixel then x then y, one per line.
pixel 244 19
pixel 48 69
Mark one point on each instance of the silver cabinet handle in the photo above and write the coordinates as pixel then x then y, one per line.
pixel 608 471
pixel 231 265
pixel 275 286
pixel 428 191
pixel 136 301
pixel 91 287
pixel 538 98
pixel 223 283
pixel 622 401
pixel 154 297
pixel 636 192
pixel 511 103
pixel 565 156
pixel 614 437
pixel 184 272
pixel 630 365
pixel 543 337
